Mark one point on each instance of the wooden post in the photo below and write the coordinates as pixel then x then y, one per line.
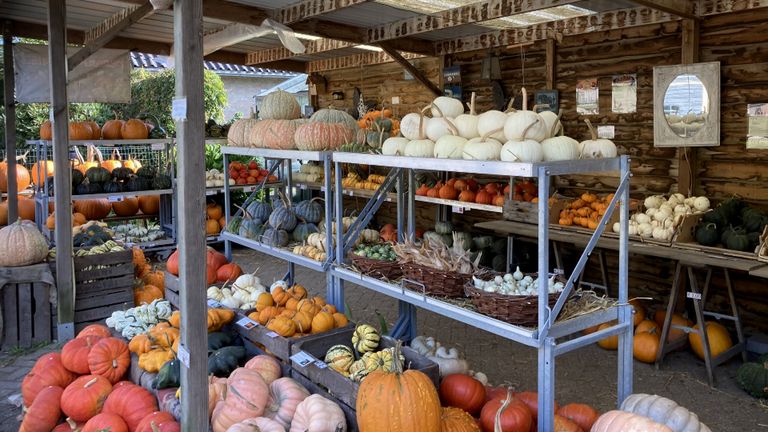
pixel 687 157
pixel 10 123
pixel 189 117
pixel 420 77
pixel 551 62
pixel 62 183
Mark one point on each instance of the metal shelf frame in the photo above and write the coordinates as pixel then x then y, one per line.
pixel 548 336
pixel 275 160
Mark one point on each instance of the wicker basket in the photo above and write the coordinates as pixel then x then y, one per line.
pixel 437 282
pixel 389 270
pixel 518 310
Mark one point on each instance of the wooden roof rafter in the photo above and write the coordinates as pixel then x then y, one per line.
pixel 681 8
pixel 356 60
pixel 282 53
pixel 306 9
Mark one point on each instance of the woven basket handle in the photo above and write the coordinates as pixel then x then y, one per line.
pixel 404 282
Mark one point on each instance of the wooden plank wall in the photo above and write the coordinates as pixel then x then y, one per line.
pixel 737 40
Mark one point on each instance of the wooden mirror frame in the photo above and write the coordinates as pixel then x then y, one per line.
pixel 709 135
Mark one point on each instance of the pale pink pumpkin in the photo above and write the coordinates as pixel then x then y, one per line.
pixel 274 134
pixel 314 136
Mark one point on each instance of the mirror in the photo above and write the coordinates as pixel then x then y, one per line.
pixel 687 105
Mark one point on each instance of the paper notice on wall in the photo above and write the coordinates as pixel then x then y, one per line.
pixel 105 76
pixel 757 134
pixel 587 95
pixel 624 93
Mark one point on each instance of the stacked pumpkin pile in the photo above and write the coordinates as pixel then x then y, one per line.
pixel 149 283
pixel 734 224
pixel 353 181
pixel 84 383
pixel 663 216
pixel 515 135
pixel 243 293
pixel 249 173
pixel 363 356
pixel 375 128
pixel 132 129
pixel 289 312
pixel 466 190
pixel 309 172
pixel 315 245
pixel 214 219
pixel 586 211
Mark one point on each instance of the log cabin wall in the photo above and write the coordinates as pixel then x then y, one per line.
pixel 737 41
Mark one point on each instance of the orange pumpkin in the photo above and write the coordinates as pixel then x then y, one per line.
pixel 154 277
pixel 110 358
pixel 448 192
pixel 457 420
pixel 212 227
pixel 339 320
pixel 134 129
pixel 323 322
pixel 113 162
pixel 46 132
pixel 611 342
pixel 40 171
pixel 214 211
pixel 149 204
pixel 129 206
pixel 638 311
pixel 26 208
pixel 111 129
pixel 132 164
pixel 22 177
pixel 80 131
pixel 85 397
pixel 95 330
pixel 144 293
pixel 646 346
pixel 467 196
pixel 95 129
pixel 93 209
pixel 647 326
pixel 483 197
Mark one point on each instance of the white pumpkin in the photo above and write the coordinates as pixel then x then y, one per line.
pixel 522 151
pixel 280 105
pixel 409 126
pixel 449 147
pixel 664 411
pixel 421 147
pixel 492 120
pixel 444 106
pixel 467 123
pixel 552 122
pixel 530 123
pixel 701 204
pixel 482 148
pixel 439 127
pixel 597 148
pixel 394 146
pixel 560 148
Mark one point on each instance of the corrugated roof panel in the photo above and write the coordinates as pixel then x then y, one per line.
pixel 368 15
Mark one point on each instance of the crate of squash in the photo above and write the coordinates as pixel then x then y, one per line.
pixel 586 212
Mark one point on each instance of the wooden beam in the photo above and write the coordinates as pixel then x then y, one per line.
pixel 357 60
pixel 473 13
pixel 681 8
pixel 104 35
pixel 714 7
pixel 306 9
pixel 551 64
pixel 282 53
pixel 188 53
pixel 285 65
pixel 688 158
pixel 62 181
pixel 10 123
pixel 420 77
pixel 604 21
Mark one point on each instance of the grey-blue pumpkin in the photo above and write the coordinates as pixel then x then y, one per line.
pixel 303 230
pixel 283 218
pixel 309 211
pixel 275 237
pixel 259 211
pixel 250 229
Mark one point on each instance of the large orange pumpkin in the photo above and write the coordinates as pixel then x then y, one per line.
pixel 457 420
pixel 22 177
pixel 398 400
pixel 26 208
pixel 113 162
pixel 111 129
pixel 47 371
pixel 44 412
pixel 129 206
pixel 93 209
pixel 646 346
pixel 110 358
pixel 515 415
pixel 4 213
pixel 80 131
pixel 717 335
pixel 95 129
pixel 95 329
pixel 46 131
pixel 462 391
pixel 105 422
pixel 40 171
pixel 131 402
pixel 172 265
pixel 85 397
pixel 581 414
pixel 144 293
pixel 134 129
pixel 149 204
pixel 677 319
pixel 74 354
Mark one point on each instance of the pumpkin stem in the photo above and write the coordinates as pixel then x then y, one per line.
pixel 72 424
pixel 451 127
pixel 91 382
pixel 513 154
pixel 154 427
pixel 422 132
pixel 525 98
pixel 398 367
pixel 488 134
pixel 99 155
pixel 525 131
pixel 439 111
pixel 591 129
pixel 472 105
pixel 504 405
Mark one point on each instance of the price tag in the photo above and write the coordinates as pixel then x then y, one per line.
pixel 303 358
pixel 351 193
pixel 303 186
pixel 213 303
pixel 114 198
pixel 693 295
pixel 158 146
pixel 247 323
pixel 179 109
pixel 321 364
pixel 272 334
pixel 457 209
pixel 558 271
pixel 183 355
pixel 211 192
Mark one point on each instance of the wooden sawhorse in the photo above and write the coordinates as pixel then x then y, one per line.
pixel 699 300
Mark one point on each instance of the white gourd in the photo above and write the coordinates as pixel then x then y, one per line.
pixel 701 204
pixel 421 147
pixel 597 148
pixel 483 148
pixel 664 411
pixel 394 146
pixel 467 123
pixel 438 127
pixel 444 106
pixel 552 122
pixel 653 202
pixel 409 126
pixel 560 148
pixel 449 147
pixel 524 120
pixel 518 149
pixel 492 120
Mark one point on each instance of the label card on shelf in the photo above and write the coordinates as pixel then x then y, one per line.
pixel 247 323
pixel 179 109
pixel 115 198
pixel 303 358
pixel 321 364
pixel 558 271
pixel 213 303
pixel 157 146
pixel 183 355
pixel 457 209
pixel 272 334
pixel 693 295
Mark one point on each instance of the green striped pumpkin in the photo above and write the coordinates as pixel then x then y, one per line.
pixel 340 358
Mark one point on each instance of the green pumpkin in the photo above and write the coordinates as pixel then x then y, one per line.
pixel 250 229
pixel 146 172
pixel 234 224
pixel 737 240
pixel 706 234
pixel 283 218
pixel 162 181
pixel 382 123
pixel 731 209
pixel 275 237
pixel 375 139
pixel 113 187
pixel 309 211
pixel 443 227
pixel 77 177
pixel 753 377
pixel 224 360
pixel 218 340
pixel 482 242
pixel 303 230
pixel 259 211
pixel 136 183
pixel 340 358
pixel 86 187
pixel 754 221
pixel 122 173
pixel 716 217
pixel 98 175
pixel 169 375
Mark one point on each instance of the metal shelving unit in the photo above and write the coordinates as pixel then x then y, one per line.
pixel 276 159
pixel 550 338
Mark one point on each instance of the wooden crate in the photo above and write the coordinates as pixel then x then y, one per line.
pixel 101 291
pixel 350 412
pixel 272 342
pixel 172 286
pixel 338 385
pixel 686 239
pixel 27 310
pixel 528 212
